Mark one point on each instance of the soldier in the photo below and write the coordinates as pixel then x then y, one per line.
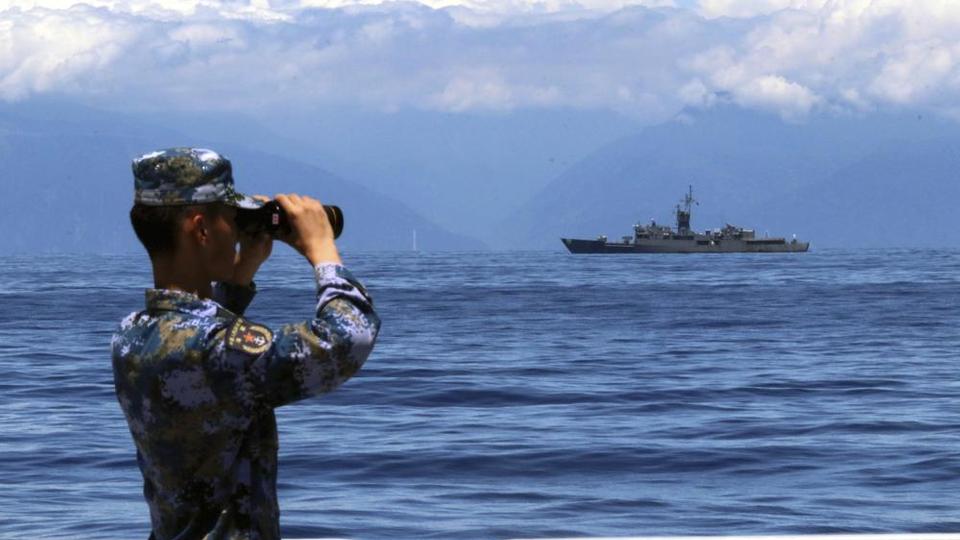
pixel 197 381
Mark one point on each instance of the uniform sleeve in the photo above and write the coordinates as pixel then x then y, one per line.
pixel 318 355
pixel 234 297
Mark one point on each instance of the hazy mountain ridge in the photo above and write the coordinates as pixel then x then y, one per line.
pixel 754 170
pixel 462 171
pixel 901 195
pixel 872 181
pixel 67 185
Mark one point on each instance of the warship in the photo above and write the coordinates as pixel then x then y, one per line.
pixel 655 238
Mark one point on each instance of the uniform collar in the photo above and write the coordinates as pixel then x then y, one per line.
pixel 182 301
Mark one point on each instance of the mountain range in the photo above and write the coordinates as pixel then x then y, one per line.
pixel 503 181
pixel 876 180
pixel 67 186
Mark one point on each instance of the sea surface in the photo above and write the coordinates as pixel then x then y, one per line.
pixel 537 394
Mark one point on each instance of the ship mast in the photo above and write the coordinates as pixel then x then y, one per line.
pixel 683 215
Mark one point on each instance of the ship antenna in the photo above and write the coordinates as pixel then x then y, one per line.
pixel 688 199
pixel 683 216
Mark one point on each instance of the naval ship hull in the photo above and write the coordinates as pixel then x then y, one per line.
pixel 693 245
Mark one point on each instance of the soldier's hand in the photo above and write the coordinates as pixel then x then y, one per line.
pixel 254 250
pixel 310 230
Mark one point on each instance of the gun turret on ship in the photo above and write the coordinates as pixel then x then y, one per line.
pixel 655 238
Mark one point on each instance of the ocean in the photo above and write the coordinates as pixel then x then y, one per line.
pixel 537 394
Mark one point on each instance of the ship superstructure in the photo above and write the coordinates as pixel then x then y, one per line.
pixel 654 238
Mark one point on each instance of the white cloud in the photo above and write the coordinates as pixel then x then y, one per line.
pixel 475 91
pixel 753 8
pixel 920 72
pixel 206 35
pixel 57 50
pixel 501 6
pixel 797 55
pixel 791 100
pixel 161 9
pixel 485 89
pixel 279 9
pixel 789 56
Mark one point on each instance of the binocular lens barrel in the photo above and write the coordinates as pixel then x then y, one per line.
pixel 335 215
pixel 272 218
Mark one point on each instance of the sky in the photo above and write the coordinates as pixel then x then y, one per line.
pixel 648 59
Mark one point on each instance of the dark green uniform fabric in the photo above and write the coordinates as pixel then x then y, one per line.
pixel 198 384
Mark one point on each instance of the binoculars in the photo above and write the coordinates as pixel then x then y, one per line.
pixel 271 218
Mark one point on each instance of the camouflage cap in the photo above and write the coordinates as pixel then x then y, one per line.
pixel 177 176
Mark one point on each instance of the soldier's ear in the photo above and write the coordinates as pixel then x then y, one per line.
pixel 196 227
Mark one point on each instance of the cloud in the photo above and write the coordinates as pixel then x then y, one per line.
pixel 486 89
pixel 649 59
pixel 754 8
pixel 797 55
pixel 921 71
pixel 791 99
pixel 57 51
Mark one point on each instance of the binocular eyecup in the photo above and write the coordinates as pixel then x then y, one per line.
pixel 271 218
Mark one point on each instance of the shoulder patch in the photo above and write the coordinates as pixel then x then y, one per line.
pixel 248 337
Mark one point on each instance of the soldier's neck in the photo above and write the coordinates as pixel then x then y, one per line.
pixel 180 273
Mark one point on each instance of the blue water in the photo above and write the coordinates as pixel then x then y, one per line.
pixel 538 394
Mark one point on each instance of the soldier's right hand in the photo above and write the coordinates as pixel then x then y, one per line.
pixel 310 231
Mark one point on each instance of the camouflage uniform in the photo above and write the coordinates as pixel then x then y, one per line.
pixel 179 176
pixel 198 383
